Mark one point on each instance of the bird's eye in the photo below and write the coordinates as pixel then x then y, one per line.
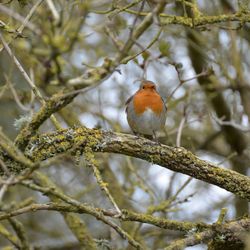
pixel 143 87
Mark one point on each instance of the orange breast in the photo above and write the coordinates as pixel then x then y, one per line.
pixel 148 99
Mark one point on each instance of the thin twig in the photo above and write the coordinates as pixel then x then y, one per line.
pixel 121 9
pixel 89 157
pixel 21 69
pixel 207 72
pixel 27 18
pixel 129 58
pixel 9 236
pixel 180 128
pixel 18 102
pixel 77 206
pixel 53 10
pixel 20 18
pixel 5 186
pixel 19 229
pixel 27 78
pixel 2 90
pixel 231 123
pixel 4 167
pixel 223 213
pixel 142 183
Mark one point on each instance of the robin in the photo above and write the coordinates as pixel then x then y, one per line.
pixel 146 110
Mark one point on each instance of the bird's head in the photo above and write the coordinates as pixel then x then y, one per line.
pixel 147 85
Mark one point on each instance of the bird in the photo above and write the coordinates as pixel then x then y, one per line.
pixel 146 111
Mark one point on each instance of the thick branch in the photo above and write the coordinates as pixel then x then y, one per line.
pixel 176 159
pixel 204 20
pixel 54 104
pixel 198 19
pixel 217 233
pixel 206 233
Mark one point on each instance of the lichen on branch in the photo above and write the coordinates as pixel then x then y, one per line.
pixel 174 158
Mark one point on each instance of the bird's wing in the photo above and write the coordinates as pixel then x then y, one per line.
pixel 127 102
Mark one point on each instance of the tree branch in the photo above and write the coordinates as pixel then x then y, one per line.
pixel 204 232
pixel 174 158
pixel 217 233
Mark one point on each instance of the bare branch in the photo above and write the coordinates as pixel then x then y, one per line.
pixel 175 158
pixel 27 78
